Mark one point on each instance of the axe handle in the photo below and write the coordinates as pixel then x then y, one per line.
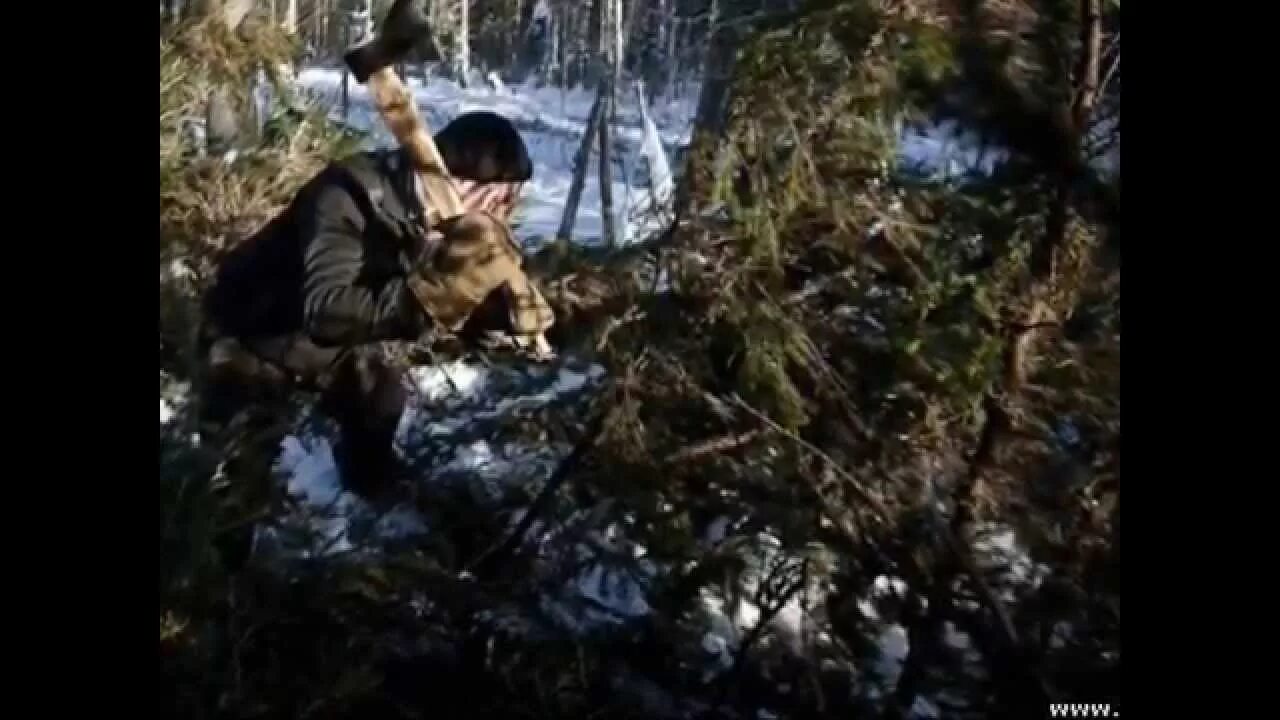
pixel 396 106
pixel 395 103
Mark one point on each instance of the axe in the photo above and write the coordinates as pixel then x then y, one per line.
pixel 372 64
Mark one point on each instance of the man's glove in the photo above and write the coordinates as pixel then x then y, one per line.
pixel 475 257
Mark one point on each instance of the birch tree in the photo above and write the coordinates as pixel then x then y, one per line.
pixel 617 24
pixel 462 43
pixel 291 17
pixel 222 121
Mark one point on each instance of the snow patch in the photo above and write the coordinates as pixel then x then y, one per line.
pixel 173 398
pixel 437 383
pixel 893 645
pixel 325 515
pixel 1000 552
pixel 944 149
pixel 924 709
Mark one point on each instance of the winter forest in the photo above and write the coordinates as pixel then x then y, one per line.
pixel 832 424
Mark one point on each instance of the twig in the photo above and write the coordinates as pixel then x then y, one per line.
pixel 819 286
pixel 714 445
pixel 1111 70
pixel 543 500
pixel 1090 57
pixel 631 315
pixel 876 503
pixel 766 617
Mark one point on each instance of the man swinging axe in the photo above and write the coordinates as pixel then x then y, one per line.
pixel 480 234
pixel 381 246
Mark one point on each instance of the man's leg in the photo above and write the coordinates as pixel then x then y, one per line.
pixel 236 386
pixel 366 396
pixel 234 377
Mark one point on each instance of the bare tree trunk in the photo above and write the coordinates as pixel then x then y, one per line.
pixel 562 49
pixel 222 122
pixel 462 44
pixel 346 94
pixel 580 160
pixel 359 28
pixel 716 69
pixel 321 20
pixel 609 52
pixel 291 17
pixel 526 19
pixel 674 51
pixel 706 150
pixel 610 63
pixel 365 22
pixel 597 41
pixel 608 232
pixel 570 40
pixel 553 34
pixel 290 26
pixel 621 32
pixel 657 42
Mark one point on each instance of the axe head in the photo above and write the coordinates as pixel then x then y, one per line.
pixel 404 28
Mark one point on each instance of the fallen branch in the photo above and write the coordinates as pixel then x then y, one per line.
pixel 719 444
pixel 877 504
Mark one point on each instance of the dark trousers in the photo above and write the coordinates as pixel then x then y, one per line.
pixel 358 388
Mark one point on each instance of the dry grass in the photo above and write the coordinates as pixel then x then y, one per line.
pixel 204 202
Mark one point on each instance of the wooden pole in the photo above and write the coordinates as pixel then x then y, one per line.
pixel 580 161
pixel 608 233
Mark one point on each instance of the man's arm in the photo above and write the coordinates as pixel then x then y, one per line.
pixel 335 309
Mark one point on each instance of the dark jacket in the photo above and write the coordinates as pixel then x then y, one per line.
pixel 332 265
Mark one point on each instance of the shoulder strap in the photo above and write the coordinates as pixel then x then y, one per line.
pixel 387 184
pixel 403 180
pixel 363 167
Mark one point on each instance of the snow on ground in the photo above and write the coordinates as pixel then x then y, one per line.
pixel 173 398
pixel 328 520
pixel 943 149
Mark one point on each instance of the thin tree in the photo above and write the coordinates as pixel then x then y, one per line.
pixel 222 123
pixel 462 43
pixel 609 233
pixel 580 160
pixel 290 17
pixel 611 63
